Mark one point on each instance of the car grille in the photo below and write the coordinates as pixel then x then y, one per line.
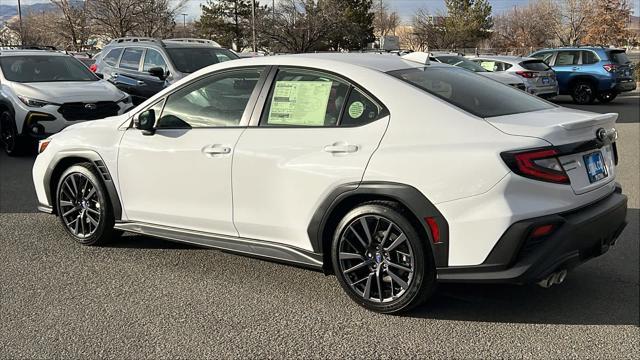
pixel 88 111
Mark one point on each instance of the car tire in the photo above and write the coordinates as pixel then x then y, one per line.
pixel 607 97
pixel 387 268
pixel 83 205
pixel 583 93
pixel 12 143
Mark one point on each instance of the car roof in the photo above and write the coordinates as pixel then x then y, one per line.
pixel 505 58
pixel 380 62
pixel 23 52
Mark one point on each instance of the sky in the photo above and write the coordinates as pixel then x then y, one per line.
pixel 406 8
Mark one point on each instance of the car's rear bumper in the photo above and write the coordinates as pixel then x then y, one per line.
pixel 624 86
pixel 579 235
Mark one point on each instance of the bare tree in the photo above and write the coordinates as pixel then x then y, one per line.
pixel 156 17
pixel 385 21
pixel 526 27
pixel 572 21
pixel 300 25
pixel 116 18
pixel 73 22
pixel 608 25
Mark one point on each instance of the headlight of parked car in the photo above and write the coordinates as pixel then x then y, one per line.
pixel 33 102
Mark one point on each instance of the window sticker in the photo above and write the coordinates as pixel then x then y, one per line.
pixel 299 103
pixel 356 109
pixel 488 65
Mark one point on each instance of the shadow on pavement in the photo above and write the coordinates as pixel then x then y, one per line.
pixel 625 105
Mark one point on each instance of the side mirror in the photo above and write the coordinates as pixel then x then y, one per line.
pixel 158 72
pixel 146 122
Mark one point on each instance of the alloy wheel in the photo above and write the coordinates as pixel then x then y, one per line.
pixel 376 258
pixel 7 134
pixel 583 93
pixel 80 205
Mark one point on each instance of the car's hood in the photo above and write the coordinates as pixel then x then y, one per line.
pixel 59 92
pixel 502 77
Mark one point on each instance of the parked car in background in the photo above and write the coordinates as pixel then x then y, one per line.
pixel 460 61
pixel 538 77
pixel 390 172
pixel 588 73
pixel 42 92
pixel 143 66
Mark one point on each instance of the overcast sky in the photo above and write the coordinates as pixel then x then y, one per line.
pixel 406 8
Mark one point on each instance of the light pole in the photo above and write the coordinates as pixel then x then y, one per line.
pixel 20 19
pixel 184 24
pixel 253 23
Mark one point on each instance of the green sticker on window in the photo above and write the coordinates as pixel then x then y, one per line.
pixel 356 109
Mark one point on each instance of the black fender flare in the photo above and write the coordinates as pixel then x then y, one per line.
pixel 100 166
pixel 408 196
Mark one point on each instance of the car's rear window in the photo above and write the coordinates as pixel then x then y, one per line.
pixel 535 65
pixel 619 57
pixel 188 59
pixel 471 92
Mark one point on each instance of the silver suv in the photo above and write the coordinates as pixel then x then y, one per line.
pixel 42 92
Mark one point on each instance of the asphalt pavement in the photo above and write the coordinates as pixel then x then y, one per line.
pixel 146 298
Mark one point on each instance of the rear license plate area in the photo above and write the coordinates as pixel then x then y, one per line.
pixel 545 80
pixel 595 165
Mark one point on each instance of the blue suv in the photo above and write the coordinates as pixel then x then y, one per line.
pixel 590 72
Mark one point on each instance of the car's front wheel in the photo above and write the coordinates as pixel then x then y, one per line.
pixel 83 205
pixel 12 143
pixel 380 259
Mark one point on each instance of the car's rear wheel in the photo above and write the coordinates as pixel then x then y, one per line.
pixel 12 143
pixel 607 96
pixel 83 205
pixel 583 93
pixel 380 260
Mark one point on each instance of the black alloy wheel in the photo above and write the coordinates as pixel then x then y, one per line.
pixel 83 205
pixel 380 260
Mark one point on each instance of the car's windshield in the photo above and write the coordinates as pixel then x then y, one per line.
pixel 44 68
pixel 470 92
pixel 619 57
pixel 188 60
pixel 461 62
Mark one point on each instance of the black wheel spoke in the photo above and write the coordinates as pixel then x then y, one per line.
pixel 80 207
pixel 374 271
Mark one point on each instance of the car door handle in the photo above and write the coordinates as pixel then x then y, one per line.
pixel 216 149
pixel 114 75
pixel 575 68
pixel 141 83
pixel 340 148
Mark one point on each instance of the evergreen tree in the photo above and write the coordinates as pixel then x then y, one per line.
pixel 228 22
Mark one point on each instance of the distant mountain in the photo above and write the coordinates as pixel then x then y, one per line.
pixel 9 11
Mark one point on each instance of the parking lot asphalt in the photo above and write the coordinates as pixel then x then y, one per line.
pixel 147 298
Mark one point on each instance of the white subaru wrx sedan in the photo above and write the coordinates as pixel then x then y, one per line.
pixel 390 173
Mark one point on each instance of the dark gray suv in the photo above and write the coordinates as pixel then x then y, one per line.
pixel 143 66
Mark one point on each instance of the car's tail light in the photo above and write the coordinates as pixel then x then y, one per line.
pixel 527 74
pixel 609 67
pixel 540 164
pixel 93 67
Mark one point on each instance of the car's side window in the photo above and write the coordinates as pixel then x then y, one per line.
pixel 153 59
pixel 567 58
pixel 131 58
pixel 112 57
pixel 360 109
pixel 300 97
pixel 488 65
pixel 589 57
pixel 215 101
pixel 504 66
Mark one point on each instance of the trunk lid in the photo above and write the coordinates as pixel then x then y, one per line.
pixel 588 161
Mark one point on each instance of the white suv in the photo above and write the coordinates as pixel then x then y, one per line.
pixel 42 92
pixel 389 173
